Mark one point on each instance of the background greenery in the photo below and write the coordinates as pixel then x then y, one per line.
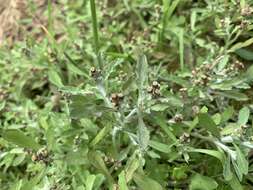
pixel 140 94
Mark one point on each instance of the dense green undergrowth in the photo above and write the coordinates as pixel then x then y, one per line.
pixel 137 94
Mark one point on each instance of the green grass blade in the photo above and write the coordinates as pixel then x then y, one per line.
pixel 94 25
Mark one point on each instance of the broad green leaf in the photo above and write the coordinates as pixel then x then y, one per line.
pixel 19 138
pixel 200 182
pixel 243 116
pixel 90 182
pixel 232 94
pixel 146 183
pixel 179 173
pixel 206 121
pixel 122 181
pixel 55 79
pixel 240 45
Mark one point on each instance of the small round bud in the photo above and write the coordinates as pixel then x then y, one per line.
pixel 157 92
pixel 195 110
pixel 194 72
pixel 114 96
pixel 183 89
pixel 185 138
pixel 34 158
pixel 149 89
pixel 155 84
pixel 92 69
pixel 178 118
pixel 121 96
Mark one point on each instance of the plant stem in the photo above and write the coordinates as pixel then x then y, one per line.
pixel 94 25
pixel 95 31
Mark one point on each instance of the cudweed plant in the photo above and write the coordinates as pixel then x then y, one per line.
pixel 112 107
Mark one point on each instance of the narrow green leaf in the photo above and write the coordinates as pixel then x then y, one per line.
pixel 132 165
pixel 232 94
pixel 74 69
pixel 227 173
pixel 143 134
pixel 102 133
pixel 142 71
pixel 122 181
pixel 168 9
pixel 249 73
pixel 214 153
pixel 222 64
pixel 241 161
pixel 159 107
pixel 19 138
pixel 161 123
pixel 240 45
pixel 227 114
pixel 78 111
pixel 29 185
pixel 94 25
pixel 160 146
pixel 202 182
pixel 237 170
pixel 235 184
pixel 97 161
pixel 90 182
pixel 55 79
pixel 245 54
pixel 181 47
pixel 229 84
